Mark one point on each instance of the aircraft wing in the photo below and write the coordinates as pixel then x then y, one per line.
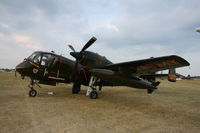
pixel 149 65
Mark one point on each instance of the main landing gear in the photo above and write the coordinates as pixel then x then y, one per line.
pixel 76 88
pixel 151 90
pixel 92 92
pixel 32 92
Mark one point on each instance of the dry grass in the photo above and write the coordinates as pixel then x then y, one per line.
pixel 176 109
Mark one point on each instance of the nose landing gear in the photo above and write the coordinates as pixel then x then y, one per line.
pixel 32 92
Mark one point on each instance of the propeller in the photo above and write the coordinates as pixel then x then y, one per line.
pixel 78 56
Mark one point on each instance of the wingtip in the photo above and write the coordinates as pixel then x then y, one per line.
pixel 186 63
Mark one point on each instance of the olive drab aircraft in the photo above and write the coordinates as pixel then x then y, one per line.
pixel 93 70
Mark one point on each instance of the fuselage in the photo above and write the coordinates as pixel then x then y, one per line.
pixel 50 68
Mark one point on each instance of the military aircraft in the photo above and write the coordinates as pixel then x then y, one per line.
pixel 93 70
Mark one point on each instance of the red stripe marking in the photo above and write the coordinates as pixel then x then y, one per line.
pixel 101 60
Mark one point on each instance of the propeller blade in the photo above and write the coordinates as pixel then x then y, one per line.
pixel 72 48
pixel 88 44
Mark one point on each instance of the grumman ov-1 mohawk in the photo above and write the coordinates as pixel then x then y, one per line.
pixel 93 70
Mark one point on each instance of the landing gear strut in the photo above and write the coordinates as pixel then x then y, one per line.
pixel 92 89
pixel 32 92
pixel 76 88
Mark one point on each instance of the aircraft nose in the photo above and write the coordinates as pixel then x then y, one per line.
pixel 18 68
pixel 21 67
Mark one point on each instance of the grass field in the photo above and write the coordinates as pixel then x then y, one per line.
pixel 175 109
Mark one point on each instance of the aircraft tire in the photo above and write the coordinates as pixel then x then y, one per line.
pixel 75 90
pixel 32 93
pixel 93 95
pixel 149 91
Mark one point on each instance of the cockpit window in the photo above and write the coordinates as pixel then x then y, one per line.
pixel 46 59
pixel 37 59
pixel 32 56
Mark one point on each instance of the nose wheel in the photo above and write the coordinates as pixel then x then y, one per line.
pixel 32 93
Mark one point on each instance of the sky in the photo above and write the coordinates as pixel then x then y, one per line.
pixel 126 30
